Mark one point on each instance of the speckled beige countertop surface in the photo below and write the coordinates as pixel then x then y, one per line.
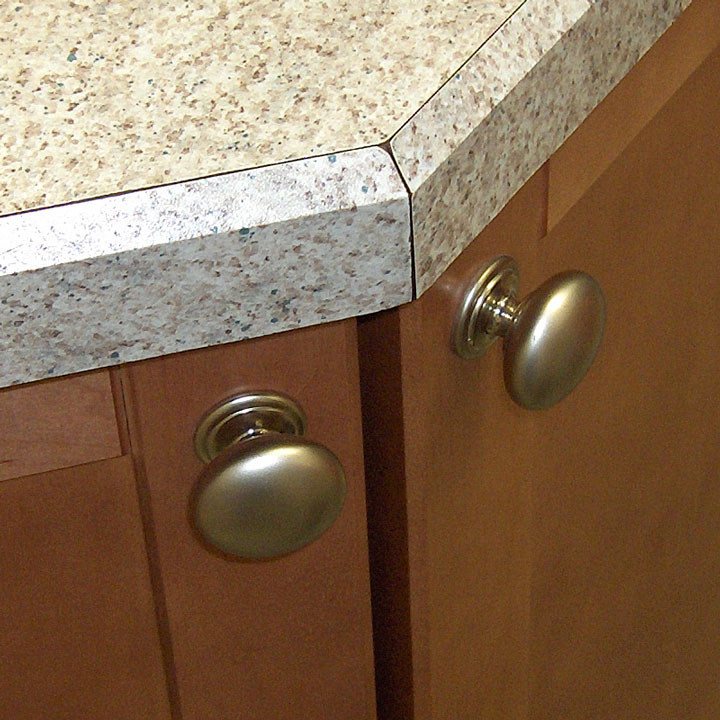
pixel 179 174
pixel 101 97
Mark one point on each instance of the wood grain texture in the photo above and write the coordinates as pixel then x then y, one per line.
pixel 631 105
pixel 465 479
pixel 77 627
pixel 626 505
pixel 566 563
pixel 57 423
pixel 281 639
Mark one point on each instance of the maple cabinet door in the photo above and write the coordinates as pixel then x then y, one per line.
pixel 562 563
pixel 278 639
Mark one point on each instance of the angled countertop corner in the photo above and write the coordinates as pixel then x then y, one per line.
pixel 112 97
pixel 180 177
pixel 517 99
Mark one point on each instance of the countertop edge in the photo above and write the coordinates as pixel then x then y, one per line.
pixel 484 134
pixel 196 264
pixel 200 263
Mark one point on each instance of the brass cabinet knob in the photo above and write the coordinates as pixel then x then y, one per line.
pixel 266 490
pixel 551 336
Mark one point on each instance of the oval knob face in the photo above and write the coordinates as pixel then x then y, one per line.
pixel 268 496
pixel 553 339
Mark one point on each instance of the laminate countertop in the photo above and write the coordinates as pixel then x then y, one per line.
pixel 181 174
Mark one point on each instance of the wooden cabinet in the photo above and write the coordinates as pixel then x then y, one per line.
pixel 111 604
pixel 277 639
pixel 539 565
pixel 78 637
pixel 78 633
pixel 563 563
pixel 57 424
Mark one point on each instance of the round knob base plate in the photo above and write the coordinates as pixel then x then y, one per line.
pixel 499 277
pixel 244 416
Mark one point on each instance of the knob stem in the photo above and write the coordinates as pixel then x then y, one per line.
pixel 488 309
pixel 497 313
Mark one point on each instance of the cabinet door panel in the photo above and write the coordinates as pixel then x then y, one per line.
pixel 456 578
pixel 564 563
pixel 279 639
pixel 626 531
pixel 77 626
pixel 608 130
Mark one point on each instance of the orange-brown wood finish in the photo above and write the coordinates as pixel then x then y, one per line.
pixel 285 638
pixel 565 563
pixel 624 113
pixel 57 423
pixel 77 625
pixel 383 417
pixel 626 513
pixel 466 483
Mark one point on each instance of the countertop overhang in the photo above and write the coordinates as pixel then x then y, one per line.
pixel 229 172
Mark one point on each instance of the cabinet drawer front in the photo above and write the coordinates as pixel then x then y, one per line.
pixel 275 639
pixel 56 424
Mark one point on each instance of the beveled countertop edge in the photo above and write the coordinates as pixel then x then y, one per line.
pixel 245 254
pixel 200 263
pixel 485 132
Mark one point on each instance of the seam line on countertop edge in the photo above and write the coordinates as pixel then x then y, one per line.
pixel 386 147
pixel 380 144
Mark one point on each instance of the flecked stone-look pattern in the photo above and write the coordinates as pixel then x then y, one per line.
pixel 201 263
pixel 483 135
pixel 103 97
pixel 268 249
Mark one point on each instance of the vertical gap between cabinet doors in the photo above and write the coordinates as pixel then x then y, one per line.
pixel 121 418
pixel 131 443
pixel 383 446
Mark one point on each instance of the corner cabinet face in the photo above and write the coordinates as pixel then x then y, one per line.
pixel 561 563
pixel 279 638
